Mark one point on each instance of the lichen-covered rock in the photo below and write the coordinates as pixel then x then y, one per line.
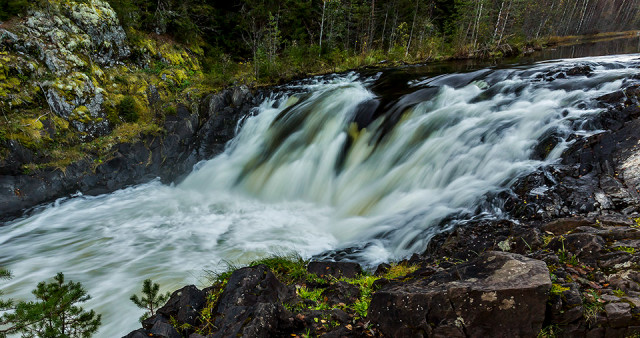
pixel 496 295
pixel 99 21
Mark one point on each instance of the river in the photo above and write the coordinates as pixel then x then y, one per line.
pixel 364 166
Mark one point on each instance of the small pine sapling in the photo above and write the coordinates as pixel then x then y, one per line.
pixel 150 299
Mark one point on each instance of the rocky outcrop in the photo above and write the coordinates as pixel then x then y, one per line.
pixel 598 174
pixel 57 47
pixel 85 109
pixel 188 137
pixel 495 295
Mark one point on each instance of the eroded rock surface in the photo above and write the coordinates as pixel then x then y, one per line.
pixel 497 294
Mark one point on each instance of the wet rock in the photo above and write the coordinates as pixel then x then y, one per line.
pixel 382 269
pixel 150 322
pixel 618 314
pixel 260 320
pixel 496 294
pixel 335 269
pixel 566 307
pixel 340 316
pixel 564 225
pixel 137 334
pixel 338 332
pixel 583 245
pixel 251 304
pixel 341 292
pixel 164 330
pixel 222 111
pixel 469 239
pixel 579 70
pixel 184 305
pixel 155 326
pixel 252 285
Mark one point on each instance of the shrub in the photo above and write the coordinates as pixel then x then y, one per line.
pixel 128 110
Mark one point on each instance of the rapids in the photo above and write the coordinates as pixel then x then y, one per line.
pixel 332 166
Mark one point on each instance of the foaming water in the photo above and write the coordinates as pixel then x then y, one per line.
pixel 302 176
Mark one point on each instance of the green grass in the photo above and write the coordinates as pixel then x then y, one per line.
pixel 287 268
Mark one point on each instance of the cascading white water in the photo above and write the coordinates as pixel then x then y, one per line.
pixel 287 183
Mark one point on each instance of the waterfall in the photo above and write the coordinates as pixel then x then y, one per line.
pixel 334 165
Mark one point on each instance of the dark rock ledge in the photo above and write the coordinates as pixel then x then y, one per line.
pixel 188 137
pixel 565 263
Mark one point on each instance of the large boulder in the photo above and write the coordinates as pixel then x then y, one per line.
pixel 498 294
pixel 184 305
pixel 251 304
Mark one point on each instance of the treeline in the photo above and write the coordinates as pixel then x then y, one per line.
pixel 264 31
pixel 278 36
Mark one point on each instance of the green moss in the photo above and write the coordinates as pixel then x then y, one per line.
pixel 81 113
pixel 625 249
pixel 557 289
pixel 619 293
pixel 400 270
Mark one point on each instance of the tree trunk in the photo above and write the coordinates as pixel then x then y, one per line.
pixel 372 23
pixel 324 5
pixel 495 31
pixel 584 11
pixel 477 26
pixel 415 14
pixel 504 23
pixel 384 27
pixel 544 22
pixel 393 30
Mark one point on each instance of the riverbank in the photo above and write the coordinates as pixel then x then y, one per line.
pixel 564 263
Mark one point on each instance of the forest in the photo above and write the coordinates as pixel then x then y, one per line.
pixel 281 39
pixel 278 35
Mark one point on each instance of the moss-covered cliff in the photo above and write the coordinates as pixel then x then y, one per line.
pixel 73 84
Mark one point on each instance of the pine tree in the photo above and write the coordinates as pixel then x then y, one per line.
pixel 150 298
pixel 55 313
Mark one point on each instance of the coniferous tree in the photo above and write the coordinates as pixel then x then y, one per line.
pixel 54 313
pixel 150 299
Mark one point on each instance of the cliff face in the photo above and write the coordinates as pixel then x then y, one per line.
pixel 87 107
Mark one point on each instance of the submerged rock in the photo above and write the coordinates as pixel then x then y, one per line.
pixel 496 294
